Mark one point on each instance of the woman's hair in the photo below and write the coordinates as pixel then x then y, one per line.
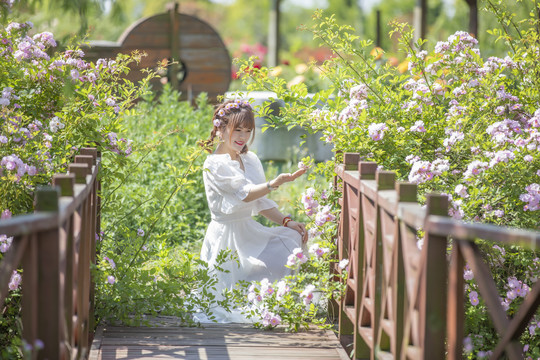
pixel 231 114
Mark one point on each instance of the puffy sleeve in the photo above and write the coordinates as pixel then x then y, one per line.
pixel 259 177
pixel 226 178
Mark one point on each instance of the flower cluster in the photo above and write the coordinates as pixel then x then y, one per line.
pixel 309 202
pixel 532 197
pixel 257 295
pixel 297 257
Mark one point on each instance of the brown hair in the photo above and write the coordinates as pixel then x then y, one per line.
pixel 229 116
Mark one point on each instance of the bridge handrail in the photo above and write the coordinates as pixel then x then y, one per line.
pixel 56 247
pixel 403 302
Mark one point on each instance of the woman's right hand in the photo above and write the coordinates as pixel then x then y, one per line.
pixel 287 177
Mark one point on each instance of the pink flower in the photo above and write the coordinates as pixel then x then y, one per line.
pixel 461 190
pixel 307 294
pixel 317 250
pixel 296 257
pixel 282 289
pixel 275 320
pixel 217 122
pixel 6 214
pixel 302 166
pixel 376 131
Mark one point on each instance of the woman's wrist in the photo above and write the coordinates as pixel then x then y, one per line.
pixel 270 187
pixel 286 220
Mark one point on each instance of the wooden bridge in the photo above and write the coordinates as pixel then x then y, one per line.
pixel 401 302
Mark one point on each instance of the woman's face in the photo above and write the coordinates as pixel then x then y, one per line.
pixel 235 140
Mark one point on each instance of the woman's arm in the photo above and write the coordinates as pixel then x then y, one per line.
pixel 273 214
pixel 260 190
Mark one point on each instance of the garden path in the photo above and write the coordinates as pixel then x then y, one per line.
pixel 166 340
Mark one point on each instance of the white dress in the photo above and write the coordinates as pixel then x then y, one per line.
pixel 261 251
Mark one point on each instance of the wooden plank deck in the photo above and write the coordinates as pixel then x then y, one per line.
pixel 214 341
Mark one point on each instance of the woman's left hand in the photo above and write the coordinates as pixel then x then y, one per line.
pixel 301 228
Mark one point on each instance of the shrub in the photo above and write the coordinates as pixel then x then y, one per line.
pixel 455 123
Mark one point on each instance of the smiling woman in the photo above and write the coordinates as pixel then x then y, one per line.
pixel 236 189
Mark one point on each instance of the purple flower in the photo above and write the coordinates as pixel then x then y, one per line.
pixel 343 263
pixel 217 123
pixel 5 243
pixel 418 126
pixel 110 279
pixel 111 261
pixel 532 197
pixel 15 280
pixel 473 297
pixel 468 273
pixel 140 232
pixel 358 92
pixel 110 102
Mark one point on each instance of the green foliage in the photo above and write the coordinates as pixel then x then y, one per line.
pixel 154 212
pixel 455 122
pixel 52 104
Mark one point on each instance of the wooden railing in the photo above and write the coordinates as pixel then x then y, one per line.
pixel 404 296
pixel 55 247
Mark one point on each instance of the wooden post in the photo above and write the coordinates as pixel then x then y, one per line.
pixel 273 34
pixel 385 181
pixel 50 294
pixel 66 184
pixel 175 44
pixel 364 312
pixel 378 41
pixel 456 309
pixel 406 192
pixel 433 287
pixel 80 171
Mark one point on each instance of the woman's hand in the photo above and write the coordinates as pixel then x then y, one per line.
pixel 286 177
pixel 300 228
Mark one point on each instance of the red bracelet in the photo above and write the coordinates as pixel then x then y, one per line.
pixel 286 220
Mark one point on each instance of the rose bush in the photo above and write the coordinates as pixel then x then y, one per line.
pixel 306 296
pixel 455 123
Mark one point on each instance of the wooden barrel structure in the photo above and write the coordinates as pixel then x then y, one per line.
pixel 203 62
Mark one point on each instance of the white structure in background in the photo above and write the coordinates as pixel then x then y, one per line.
pixel 282 144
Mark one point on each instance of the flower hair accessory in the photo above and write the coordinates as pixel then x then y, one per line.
pixel 230 107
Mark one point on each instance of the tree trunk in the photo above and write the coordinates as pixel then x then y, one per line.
pixel 420 14
pixel 273 35
pixel 473 17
